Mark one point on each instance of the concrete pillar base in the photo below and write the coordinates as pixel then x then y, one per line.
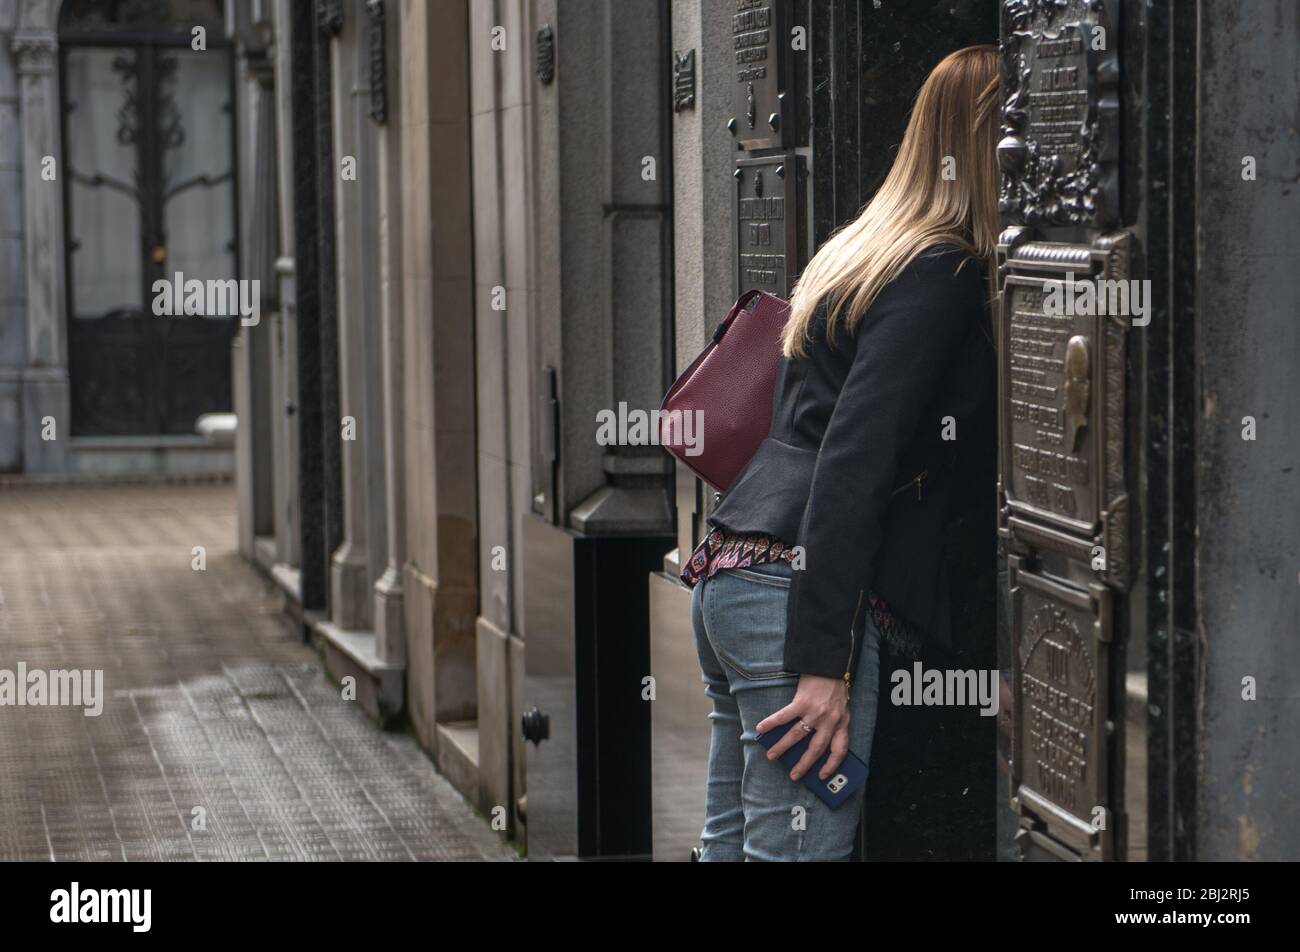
pixel 380 686
pixel 640 509
pixel 45 394
pixel 350 587
pixel 390 628
pixel 498 717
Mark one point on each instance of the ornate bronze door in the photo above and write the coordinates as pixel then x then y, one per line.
pixel 1063 483
pixel 149 195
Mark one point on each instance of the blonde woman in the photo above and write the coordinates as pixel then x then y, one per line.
pixel 831 538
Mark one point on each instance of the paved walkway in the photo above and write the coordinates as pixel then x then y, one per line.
pixel 220 738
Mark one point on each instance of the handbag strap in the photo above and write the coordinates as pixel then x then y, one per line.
pixel 689 372
pixel 736 308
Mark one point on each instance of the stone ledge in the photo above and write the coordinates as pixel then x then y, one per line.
pixel 458 756
pixel 289 578
pixel 380 685
pixel 61 480
pixel 264 554
pixel 148 456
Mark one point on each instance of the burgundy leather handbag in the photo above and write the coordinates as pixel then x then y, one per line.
pixel 720 408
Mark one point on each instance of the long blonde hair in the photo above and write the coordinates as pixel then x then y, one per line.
pixel 942 187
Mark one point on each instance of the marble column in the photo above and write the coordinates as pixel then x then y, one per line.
pixel 390 632
pixel 259 238
pixel 45 378
pixel 440 580
pixel 352 176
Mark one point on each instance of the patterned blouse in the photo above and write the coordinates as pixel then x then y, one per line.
pixel 722 549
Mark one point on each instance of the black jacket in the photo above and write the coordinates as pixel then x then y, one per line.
pixel 855 468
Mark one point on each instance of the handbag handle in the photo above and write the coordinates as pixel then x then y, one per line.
pixel 717 336
pixel 735 310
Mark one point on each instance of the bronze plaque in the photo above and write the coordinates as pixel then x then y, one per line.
pixel 1060 114
pixel 683 80
pixel 1065 311
pixel 1051 374
pixel 1060 757
pixel 767 222
pixel 762 70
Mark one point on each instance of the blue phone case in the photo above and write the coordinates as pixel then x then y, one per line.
pixel 834 790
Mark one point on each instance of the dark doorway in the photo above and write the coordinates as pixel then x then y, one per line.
pixel 149 193
pixel 933 784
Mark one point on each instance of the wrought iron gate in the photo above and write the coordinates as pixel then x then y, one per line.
pixel 149 195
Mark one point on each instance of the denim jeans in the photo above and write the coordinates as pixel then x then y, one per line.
pixel 753 810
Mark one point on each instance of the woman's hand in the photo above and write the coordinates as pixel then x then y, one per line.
pixel 823 705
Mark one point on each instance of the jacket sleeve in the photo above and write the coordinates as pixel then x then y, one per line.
pixel 905 345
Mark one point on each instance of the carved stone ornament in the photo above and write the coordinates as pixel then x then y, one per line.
pixel 329 17
pixel 1059 133
pixel 34 52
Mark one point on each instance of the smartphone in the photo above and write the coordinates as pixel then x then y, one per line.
pixel 836 788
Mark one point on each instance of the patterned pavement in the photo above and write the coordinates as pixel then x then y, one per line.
pixel 220 738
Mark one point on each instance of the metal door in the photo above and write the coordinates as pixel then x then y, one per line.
pixel 149 195
pixel 1063 418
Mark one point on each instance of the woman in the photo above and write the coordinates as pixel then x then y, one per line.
pixel 831 538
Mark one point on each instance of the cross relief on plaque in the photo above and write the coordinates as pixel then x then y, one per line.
pixel 762 71
pixel 767 223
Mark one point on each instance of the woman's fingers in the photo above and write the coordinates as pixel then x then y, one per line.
pixel 820 740
pixel 791 737
pixel 820 710
pixel 786 714
pixel 839 750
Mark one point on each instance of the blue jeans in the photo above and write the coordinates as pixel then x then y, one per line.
pixel 753 810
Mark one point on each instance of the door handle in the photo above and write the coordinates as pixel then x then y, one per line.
pixel 535 725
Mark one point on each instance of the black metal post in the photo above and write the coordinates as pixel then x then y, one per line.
pixel 311 528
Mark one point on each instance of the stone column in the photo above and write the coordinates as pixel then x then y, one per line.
pixel 619 249
pixel 284 326
pixel 704 286
pixel 390 633
pixel 13 309
pixel 501 103
pixel 260 240
pixel 351 176
pixel 703 188
pixel 1235 601
pixel 45 379
pixel 440 583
